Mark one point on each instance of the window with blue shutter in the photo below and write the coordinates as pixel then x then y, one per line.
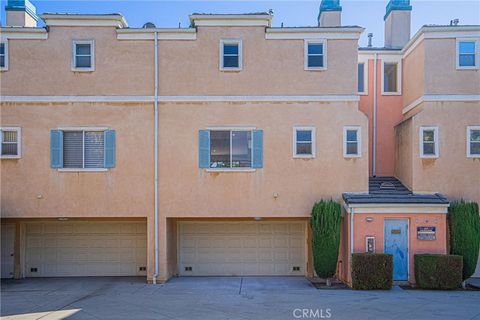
pixel 79 149
pixel 230 149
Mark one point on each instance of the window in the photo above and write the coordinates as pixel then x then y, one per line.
pixel 428 142
pixel 390 77
pixel 83 149
pixel 467 54
pixel 83 55
pixel 11 142
pixel 351 142
pixel 315 55
pixel 303 142
pixel 230 149
pixel 361 78
pixel 3 56
pixel 473 141
pixel 231 55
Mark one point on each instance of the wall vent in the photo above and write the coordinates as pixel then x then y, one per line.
pixel 296 268
pixel 188 268
pixel 142 268
pixel 33 269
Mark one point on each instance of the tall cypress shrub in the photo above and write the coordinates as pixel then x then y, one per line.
pixel 325 222
pixel 464 222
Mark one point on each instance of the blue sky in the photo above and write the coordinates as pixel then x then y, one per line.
pixel 368 14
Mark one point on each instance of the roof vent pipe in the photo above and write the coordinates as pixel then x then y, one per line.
pixel 370 36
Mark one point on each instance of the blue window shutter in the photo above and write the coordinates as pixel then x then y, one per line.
pixel 109 142
pixel 257 158
pixel 204 149
pixel 56 149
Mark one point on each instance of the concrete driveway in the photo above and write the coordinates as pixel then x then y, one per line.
pixel 223 298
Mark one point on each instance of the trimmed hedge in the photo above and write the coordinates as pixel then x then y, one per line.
pixel 464 223
pixel 325 222
pixel 372 271
pixel 438 271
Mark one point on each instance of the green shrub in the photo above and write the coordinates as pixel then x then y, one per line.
pixel 325 222
pixel 371 271
pixel 464 222
pixel 438 271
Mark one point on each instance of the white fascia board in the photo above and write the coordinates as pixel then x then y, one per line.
pixel 80 20
pixel 398 208
pixel 23 33
pixel 163 34
pixel 313 33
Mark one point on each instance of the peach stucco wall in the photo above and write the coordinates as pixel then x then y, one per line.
pixel 404 153
pixel 43 67
pixel 441 75
pixel 376 229
pixel 452 173
pixel 389 113
pixel 270 67
pixel 193 192
pixel 413 73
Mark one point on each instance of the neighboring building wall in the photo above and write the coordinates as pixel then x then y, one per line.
pixel 404 153
pixel 452 173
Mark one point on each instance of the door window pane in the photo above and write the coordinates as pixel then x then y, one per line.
pixel 73 149
pixel 219 149
pixel 241 149
pixel 361 77
pixel 94 148
pixel 390 77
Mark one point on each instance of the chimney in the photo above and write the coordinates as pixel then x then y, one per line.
pixel 397 23
pixel 330 14
pixel 21 13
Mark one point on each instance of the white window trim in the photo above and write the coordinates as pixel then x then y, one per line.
pixel 239 42
pixel 365 61
pixel 233 169
pixel 398 61
pixel 305 54
pixel 5 68
pixel 314 142
pixel 469 129
pixel 83 129
pixel 366 243
pixel 435 137
pixel 92 44
pixel 19 142
pixel 359 141
pixel 477 53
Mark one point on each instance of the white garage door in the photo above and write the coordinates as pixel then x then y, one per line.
pixel 86 248
pixel 241 248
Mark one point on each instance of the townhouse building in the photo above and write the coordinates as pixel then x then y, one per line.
pixel 199 151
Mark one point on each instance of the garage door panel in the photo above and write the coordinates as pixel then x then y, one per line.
pixel 241 248
pixel 85 248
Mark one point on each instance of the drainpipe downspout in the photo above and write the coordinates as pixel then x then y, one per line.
pixel 352 213
pixel 374 144
pixel 156 156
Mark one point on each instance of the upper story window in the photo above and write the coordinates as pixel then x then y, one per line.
pixel 473 141
pixel 231 55
pixel 3 56
pixel 315 55
pixel 361 78
pixel 236 148
pixel 429 142
pixel 303 142
pixel 83 149
pixel 391 78
pixel 83 58
pixel 352 142
pixel 468 54
pixel 11 142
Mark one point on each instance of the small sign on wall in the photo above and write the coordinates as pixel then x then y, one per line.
pixel 426 233
pixel 370 244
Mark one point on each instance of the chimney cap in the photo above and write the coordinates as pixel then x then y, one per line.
pixel 397 5
pixel 22 5
pixel 330 5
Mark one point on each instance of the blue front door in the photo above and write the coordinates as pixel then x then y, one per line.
pixel 396 244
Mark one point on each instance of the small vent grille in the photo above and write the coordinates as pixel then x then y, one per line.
pixel 33 269
pixel 296 268
pixel 188 268
pixel 142 268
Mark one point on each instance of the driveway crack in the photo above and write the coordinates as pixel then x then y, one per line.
pixel 241 283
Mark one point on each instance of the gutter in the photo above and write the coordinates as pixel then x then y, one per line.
pixel 155 275
pixel 374 144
